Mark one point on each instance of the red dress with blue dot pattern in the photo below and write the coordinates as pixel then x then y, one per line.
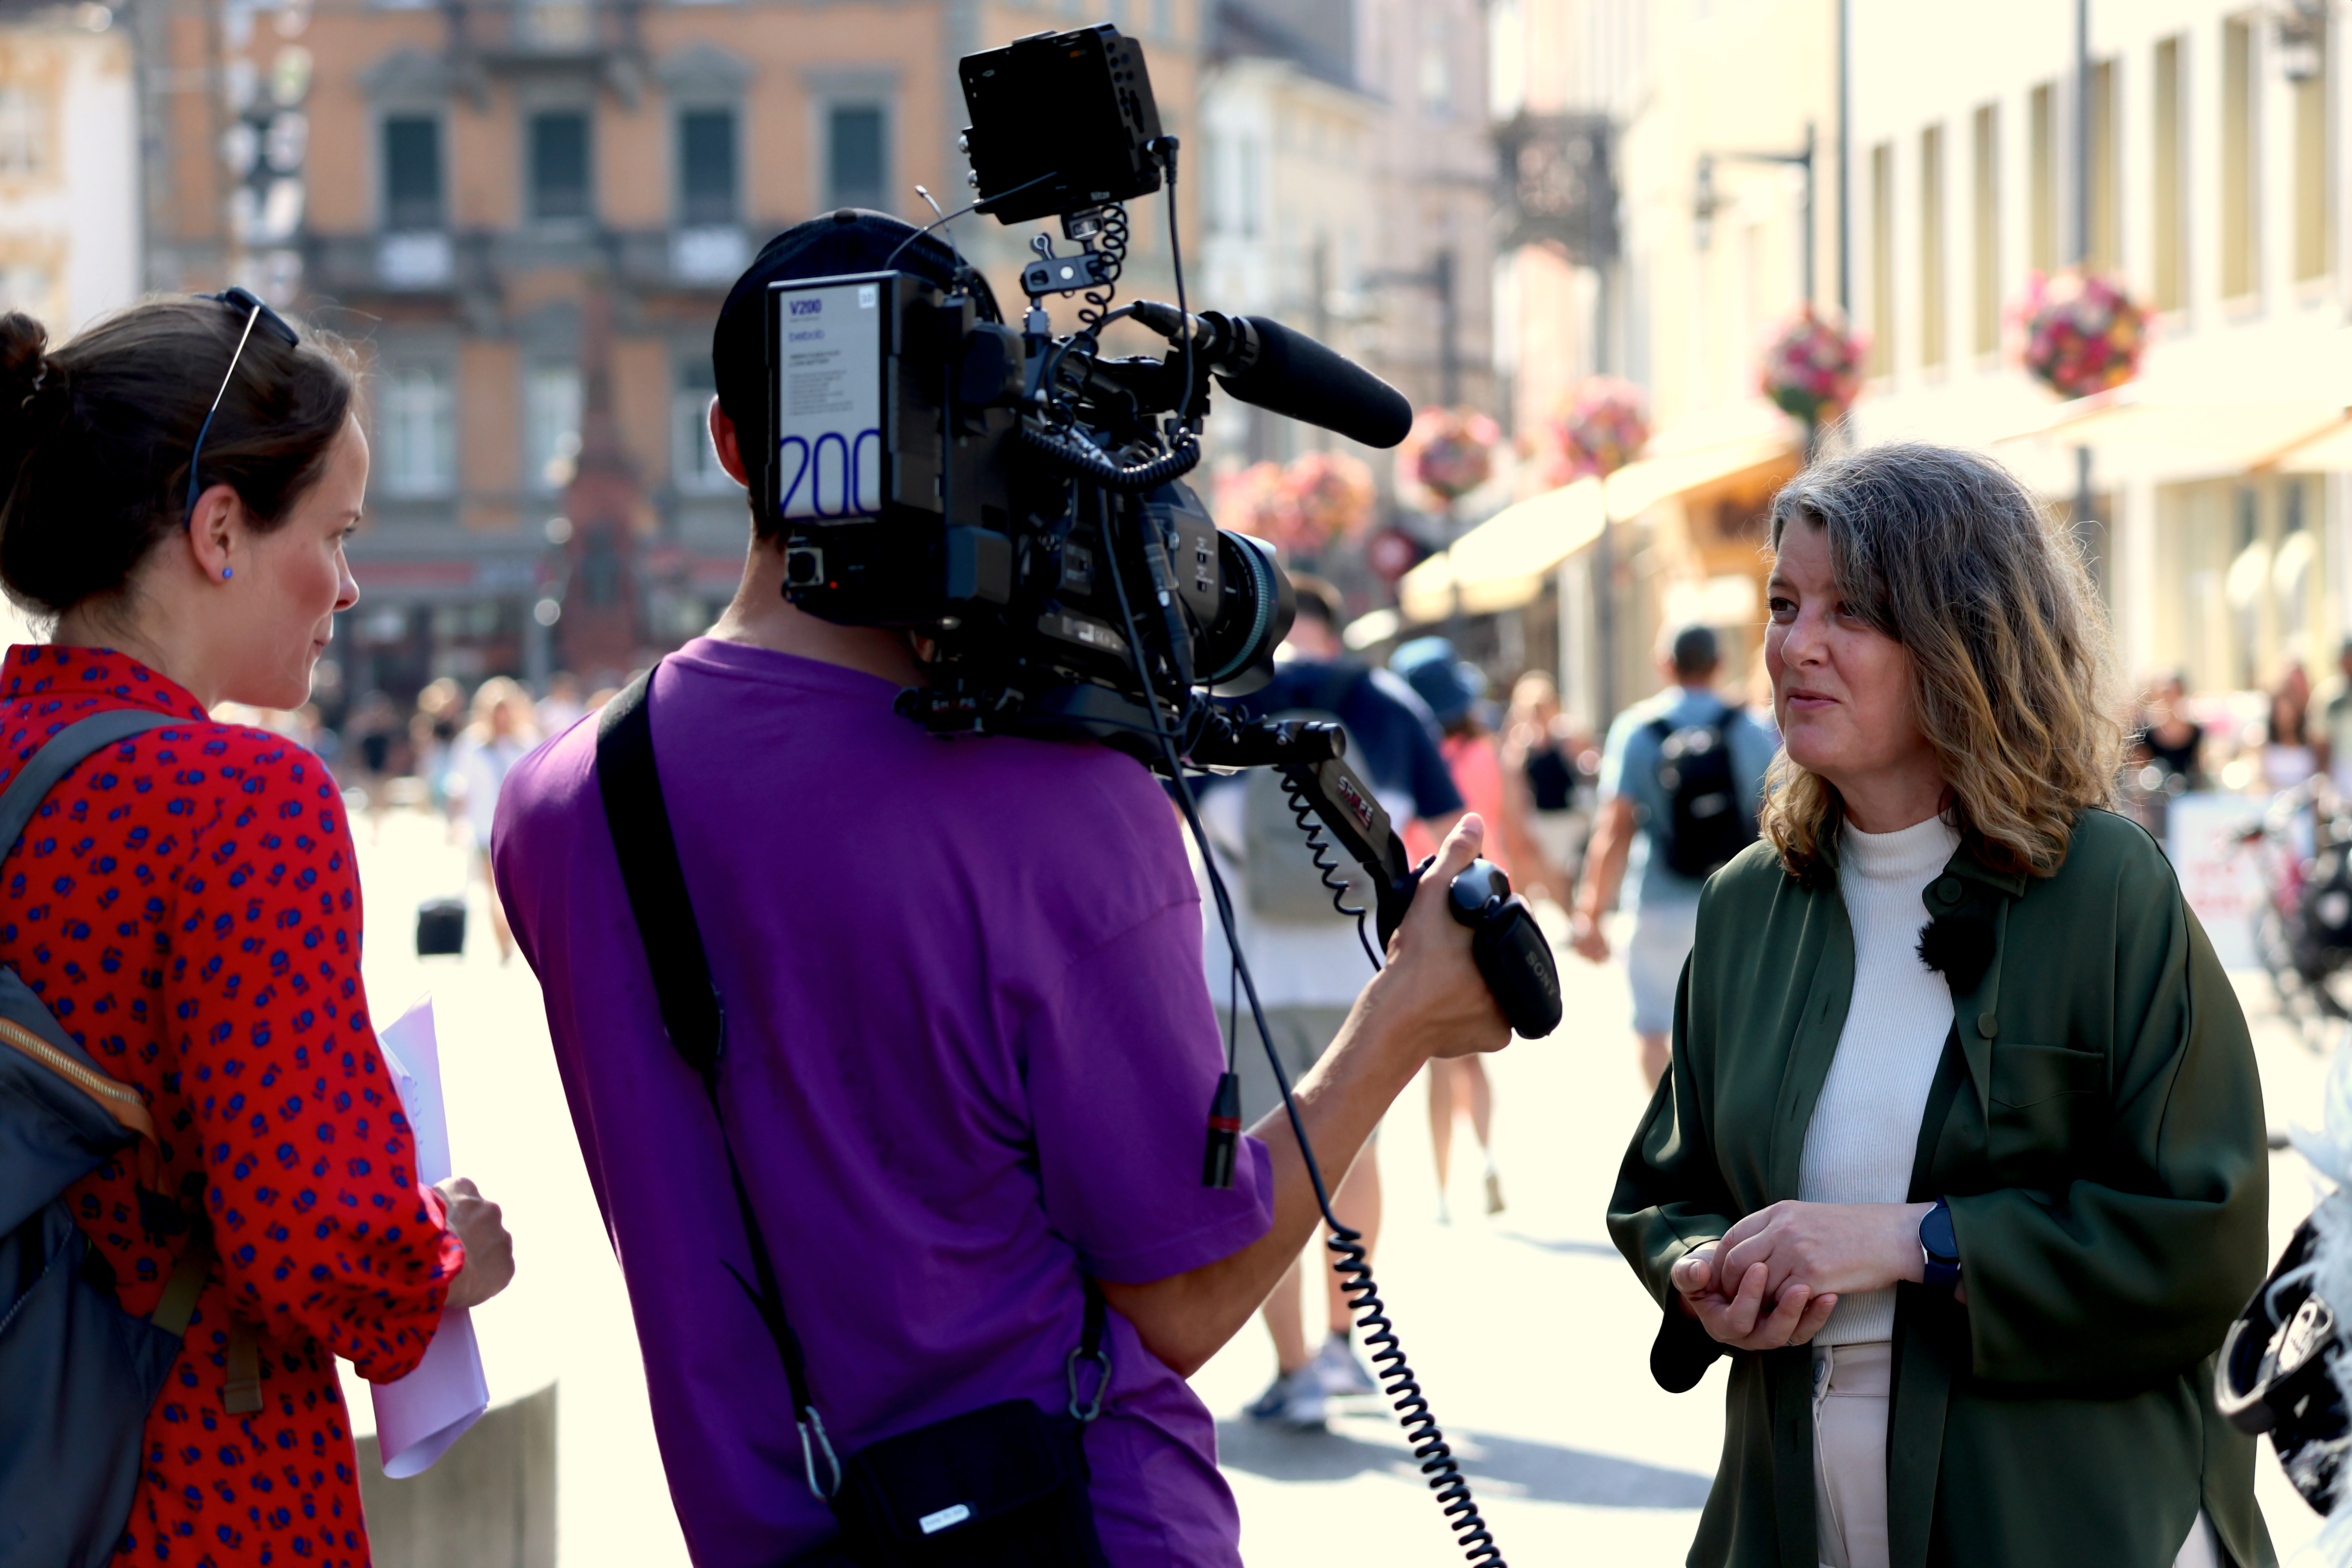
pixel 187 904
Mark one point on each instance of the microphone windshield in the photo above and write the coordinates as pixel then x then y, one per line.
pixel 1296 376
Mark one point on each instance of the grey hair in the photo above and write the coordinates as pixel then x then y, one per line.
pixel 2013 674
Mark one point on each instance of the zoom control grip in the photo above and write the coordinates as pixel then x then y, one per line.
pixel 1510 948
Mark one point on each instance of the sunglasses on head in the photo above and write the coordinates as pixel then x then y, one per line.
pixel 256 312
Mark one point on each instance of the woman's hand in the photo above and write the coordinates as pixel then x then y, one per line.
pixel 1831 1247
pixel 1739 1320
pixel 489 1250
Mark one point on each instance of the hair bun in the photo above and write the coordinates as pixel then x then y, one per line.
pixel 24 360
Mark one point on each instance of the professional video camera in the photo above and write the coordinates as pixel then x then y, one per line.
pixel 1014 495
pixel 1014 499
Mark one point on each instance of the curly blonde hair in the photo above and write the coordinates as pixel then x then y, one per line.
pixel 2013 676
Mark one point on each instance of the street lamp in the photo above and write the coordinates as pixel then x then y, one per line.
pixel 1706 201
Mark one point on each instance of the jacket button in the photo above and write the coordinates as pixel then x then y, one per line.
pixel 1947 889
pixel 1988 1025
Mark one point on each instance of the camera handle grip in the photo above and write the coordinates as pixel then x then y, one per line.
pixel 1512 953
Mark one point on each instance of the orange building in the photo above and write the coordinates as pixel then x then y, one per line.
pixel 449 185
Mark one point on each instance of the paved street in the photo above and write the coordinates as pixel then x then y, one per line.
pixel 1528 1333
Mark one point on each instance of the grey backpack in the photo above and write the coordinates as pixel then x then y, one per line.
pixel 77 1373
pixel 1285 883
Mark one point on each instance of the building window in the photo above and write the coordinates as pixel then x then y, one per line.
pixel 559 165
pixel 23 133
pixel 411 172
pixel 550 414
pixel 416 432
pixel 2042 179
pixel 1931 245
pixel 856 155
pixel 694 462
pixel 2101 246
pixel 1436 67
pixel 1882 258
pixel 707 182
pixel 2167 171
pixel 2240 249
pixel 1985 296
pixel 2307 75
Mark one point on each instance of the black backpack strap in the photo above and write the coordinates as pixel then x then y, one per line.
pixel 692 1013
pixel 60 751
pixel 241 1392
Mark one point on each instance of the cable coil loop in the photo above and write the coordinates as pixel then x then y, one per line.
pixel 1329 868
pixel 1403 1393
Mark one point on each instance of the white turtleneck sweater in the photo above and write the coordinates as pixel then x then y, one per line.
pixel 1866 1128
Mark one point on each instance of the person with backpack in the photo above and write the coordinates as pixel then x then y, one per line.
pixel 1307 960
pixel 1682 778
pixel 207 1188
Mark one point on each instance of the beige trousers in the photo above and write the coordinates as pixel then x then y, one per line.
pixel 1850 1391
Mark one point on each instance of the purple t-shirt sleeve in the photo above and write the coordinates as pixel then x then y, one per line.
pixel 1122 1060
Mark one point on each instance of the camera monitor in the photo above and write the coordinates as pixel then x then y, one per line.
pixel 1060 122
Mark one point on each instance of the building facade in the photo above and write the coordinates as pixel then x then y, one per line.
pixel 2193 151
pixel 526 215
pixel 69 218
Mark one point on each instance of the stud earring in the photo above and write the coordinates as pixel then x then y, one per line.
pixel 227 572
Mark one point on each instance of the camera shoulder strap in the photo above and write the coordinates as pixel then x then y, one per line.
pixel 692 1012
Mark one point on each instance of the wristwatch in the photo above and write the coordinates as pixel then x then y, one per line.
pixel 1939 1250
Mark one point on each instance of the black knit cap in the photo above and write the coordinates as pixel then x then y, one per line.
pixel 850 239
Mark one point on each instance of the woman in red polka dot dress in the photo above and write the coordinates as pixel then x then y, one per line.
pixel 187 904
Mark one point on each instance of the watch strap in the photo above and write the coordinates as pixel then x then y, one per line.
pixel 1938 1250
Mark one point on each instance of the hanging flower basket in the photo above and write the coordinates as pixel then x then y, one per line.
pixel 1299 509
pixel 1812 368
pixel 2082 334
pixel 1332 494
pixel 1449 453
pixel 1252 501
pixel 1600 427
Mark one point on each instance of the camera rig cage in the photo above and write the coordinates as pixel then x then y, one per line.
pixel 1014 499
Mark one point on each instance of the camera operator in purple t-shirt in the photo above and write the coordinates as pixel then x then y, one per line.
pixel 970 1054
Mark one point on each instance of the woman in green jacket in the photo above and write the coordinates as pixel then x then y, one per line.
pixel 1961 1156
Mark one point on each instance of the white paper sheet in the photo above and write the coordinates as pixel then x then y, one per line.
pixel 419 1417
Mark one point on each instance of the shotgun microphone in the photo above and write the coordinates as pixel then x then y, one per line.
pixel 1270 366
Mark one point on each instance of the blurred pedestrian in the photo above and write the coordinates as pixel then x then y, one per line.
pixel 1682 778
pixel 1307 960
pixel 2168 737
pixel 431 734
pixel 502 733
pixel 1451 688
pixel 1539 745
pixel 560 708
pixel 2289 758
pixel 2331 722
pixel 2031 1175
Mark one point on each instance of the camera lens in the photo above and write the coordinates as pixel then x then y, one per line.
pixel 1255 605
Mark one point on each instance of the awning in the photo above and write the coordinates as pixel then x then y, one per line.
pixel 1501 564
pixel 2181 426
pixel 1637 487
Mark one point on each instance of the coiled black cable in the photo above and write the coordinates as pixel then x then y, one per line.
pixel 1329 869
pixel 1085 463
pixel 1113 250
